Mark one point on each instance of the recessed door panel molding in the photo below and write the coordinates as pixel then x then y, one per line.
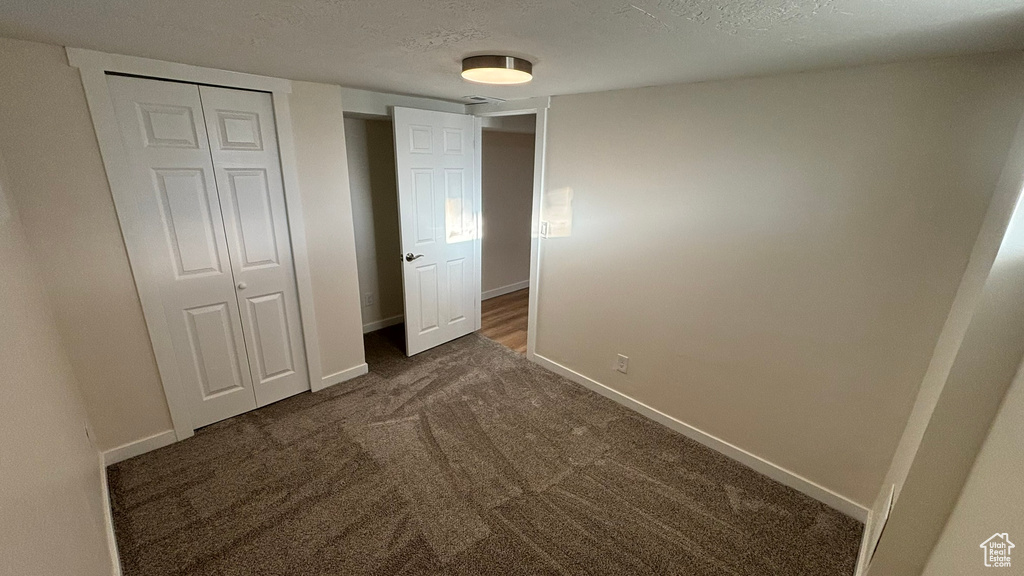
pixel 187 222
pixel 247 167
pixel 214 349
pixel 456 290
pixel 421 139
pixel 177 226
pixel 453 140
pixel 426 280
pixel 239 130
pixel 250 195
pixel 436 171
pixel 269 315
pixel 460 225
pixel 168 126
pixel 425 212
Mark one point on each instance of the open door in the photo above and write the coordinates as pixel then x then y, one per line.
pixel 437 204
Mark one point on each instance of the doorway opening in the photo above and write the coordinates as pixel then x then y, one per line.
pixel 507 180
pixel 370 146
pixel 507 177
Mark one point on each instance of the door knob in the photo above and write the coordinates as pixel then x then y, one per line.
pixel 242 285
pixel 410 257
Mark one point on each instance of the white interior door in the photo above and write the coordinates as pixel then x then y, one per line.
pixel 243 143
pixel 437 205
pixel 178 224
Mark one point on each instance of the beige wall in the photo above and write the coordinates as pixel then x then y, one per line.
pixel 507 194
pixel 50 490
pixel 371 164
pixel 990 501
pixel 61 191
pixel 778 255
pixel 317 118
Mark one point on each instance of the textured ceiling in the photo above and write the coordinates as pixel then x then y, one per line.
pixel 414 46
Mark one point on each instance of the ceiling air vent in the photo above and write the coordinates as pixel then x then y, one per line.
pixel 482 99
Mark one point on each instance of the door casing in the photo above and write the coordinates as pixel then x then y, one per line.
pixel 538 107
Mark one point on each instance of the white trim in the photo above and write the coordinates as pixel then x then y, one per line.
pixel 297 231
pixel 368 104
pixel 510 107
pixel 507 289
pixel 539 154
pixel 93 67
pixel 382 323
pixel 478 215
pixel 539 107
pixel 115 161
pixel 865 539
pixel 498 124
pixel 108 521
pixel 343 375
pixel 873 529
pixel 133 449
pixel 773 471
pixel 92 60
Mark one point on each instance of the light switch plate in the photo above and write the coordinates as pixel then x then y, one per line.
pixel 622 363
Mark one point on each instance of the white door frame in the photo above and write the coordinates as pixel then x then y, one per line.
pixel 93 67
pixel 538 106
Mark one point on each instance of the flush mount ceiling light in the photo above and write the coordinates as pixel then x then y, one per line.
pixel 497 70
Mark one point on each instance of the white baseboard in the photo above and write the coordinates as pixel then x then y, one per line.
pixel 343 375
pixel 108 519
pixel 773 471
pixel 487 295
pixel 132 449
pixel 378 324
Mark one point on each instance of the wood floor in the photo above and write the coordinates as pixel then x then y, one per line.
pixel 503 319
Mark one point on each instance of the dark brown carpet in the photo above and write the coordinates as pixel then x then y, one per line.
pixel 466 459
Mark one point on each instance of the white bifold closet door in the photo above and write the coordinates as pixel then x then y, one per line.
pixel 210 219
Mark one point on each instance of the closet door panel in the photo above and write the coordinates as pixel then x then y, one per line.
pixel 247 167
pixel 178 223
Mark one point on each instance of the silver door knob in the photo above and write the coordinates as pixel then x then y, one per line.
pixel 410 257
pixel 242 286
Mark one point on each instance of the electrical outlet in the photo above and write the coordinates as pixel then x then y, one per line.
pixel 369 299
pixel 622 363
